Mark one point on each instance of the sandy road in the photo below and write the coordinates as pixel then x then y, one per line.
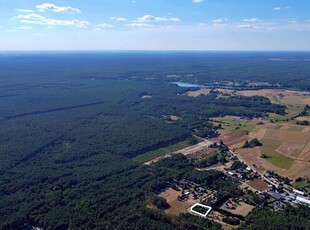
pixel 186 151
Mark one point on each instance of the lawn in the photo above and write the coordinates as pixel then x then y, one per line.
pixel 269 149
pixel 161 152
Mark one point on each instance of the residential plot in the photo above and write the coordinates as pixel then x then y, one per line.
pixel 176 206
pixel 239 208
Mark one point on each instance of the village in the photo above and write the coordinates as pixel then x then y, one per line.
pixel 258 189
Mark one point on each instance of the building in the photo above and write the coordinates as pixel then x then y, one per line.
pixel 277 196
pixel 298 192
pixel 303 200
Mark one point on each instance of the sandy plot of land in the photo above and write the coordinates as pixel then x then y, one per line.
pixel 195 148
pixel 174 118
pixel 258 185
pixel 198 92
pixel 298 169
pixel 176 206
pixel 153 161
pixel 303 118
pixel 232 140
pixel 242 209
pixel 290 149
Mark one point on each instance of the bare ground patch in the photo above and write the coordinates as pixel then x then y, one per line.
pixel 232 139
pixel 195 148
pixel 176 207
pixel 258 185
pixel 199 92
pixel 241 208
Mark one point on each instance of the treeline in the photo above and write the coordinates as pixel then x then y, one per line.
pixel 289 218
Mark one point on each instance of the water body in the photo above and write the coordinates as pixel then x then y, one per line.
pixel 187 85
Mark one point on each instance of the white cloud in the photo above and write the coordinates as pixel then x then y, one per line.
pixel 250 20
pixel 139 24
pixel 58 9
pixel 197 1
pixel 39 19
pixel 247 26
pixel 104 26
pixel 281 8
pixel 220 20
pixel 151 18
pixel 23 28
pixel 24 10
pixel 118 19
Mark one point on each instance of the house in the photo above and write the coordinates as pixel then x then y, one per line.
pixel 298 192
pixel 228 204
pixel 277 196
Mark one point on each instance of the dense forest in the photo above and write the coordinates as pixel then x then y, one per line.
pixel 70 124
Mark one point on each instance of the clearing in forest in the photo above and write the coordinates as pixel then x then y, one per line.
pixel 176 207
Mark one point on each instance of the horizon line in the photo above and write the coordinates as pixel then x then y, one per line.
pixel 148 50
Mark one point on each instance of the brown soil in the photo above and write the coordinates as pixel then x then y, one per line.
pixel 176 206
pixel 258 185
pixel 232 140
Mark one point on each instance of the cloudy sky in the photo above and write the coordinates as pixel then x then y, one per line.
pixel 155 25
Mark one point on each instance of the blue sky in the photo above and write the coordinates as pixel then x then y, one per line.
pixel 155 25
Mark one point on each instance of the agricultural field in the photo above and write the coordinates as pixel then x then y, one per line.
pixel 232 123
pixel 286 146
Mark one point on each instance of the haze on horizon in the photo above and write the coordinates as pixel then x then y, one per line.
pixel 154 25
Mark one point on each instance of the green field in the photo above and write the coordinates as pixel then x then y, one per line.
pixel 301 184
pixel 161 152
pixel 238 125
pixel 292 111
pixel 269 149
